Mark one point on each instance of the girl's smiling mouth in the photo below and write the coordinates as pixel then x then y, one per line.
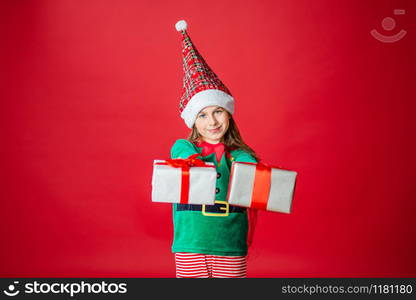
pixel 215 130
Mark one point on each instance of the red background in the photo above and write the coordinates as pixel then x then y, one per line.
pixel 90 93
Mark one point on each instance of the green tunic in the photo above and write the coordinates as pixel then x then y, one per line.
pixel 216 233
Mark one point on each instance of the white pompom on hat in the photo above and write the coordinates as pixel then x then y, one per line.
pixel 181 25
pixel 201 86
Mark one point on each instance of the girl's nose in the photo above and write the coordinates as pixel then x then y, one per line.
pixel 212 120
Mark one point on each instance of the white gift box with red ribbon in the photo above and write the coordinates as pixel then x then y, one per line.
pixel 184 181
pixel 261 187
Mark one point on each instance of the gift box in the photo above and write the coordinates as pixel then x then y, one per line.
pixel 261 187
pixel 185 181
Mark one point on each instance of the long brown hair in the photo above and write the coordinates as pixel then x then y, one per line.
pixel 232 139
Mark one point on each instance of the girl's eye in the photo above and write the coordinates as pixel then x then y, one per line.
pixel 201 116
pixel 218 111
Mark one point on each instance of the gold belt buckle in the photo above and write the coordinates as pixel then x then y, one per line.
pixel 226 208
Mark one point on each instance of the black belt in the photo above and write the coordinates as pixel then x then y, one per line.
pixel 220 208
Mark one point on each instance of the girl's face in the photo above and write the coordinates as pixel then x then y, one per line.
pixel 212 123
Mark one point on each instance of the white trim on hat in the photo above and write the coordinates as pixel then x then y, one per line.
pixel 204 99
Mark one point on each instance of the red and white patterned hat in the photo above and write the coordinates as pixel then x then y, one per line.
pixel 201 86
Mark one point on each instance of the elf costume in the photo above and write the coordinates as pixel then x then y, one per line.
pixel 219 229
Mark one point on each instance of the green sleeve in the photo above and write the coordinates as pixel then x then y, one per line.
pixel 242 156
pixel 182 149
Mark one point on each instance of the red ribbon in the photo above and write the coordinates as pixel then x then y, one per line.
pixel 185 165
pixel 261 187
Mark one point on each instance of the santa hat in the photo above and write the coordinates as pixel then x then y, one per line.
pixel 201 86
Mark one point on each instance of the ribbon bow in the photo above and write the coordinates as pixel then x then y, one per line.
pixel 185 165
pixel 191 161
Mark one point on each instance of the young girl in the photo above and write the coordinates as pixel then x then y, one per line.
pixel 210 240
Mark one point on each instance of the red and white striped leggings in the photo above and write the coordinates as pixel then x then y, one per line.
pixel 194 265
